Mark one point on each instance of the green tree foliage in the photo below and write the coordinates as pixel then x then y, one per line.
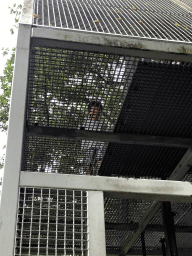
pixel 6 79
pixel 16 10
pixel 6 82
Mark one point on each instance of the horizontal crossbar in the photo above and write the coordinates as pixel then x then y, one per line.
pixel 124 138
pixel 145 189
pixel 150 227
pixel 125 45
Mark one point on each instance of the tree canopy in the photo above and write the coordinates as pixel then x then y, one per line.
pixel 7 77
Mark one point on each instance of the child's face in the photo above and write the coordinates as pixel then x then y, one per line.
pixel 95 112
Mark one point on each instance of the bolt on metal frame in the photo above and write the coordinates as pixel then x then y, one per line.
pixel 12 177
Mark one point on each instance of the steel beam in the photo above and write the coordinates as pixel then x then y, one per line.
pixel 143 244
pixel 117 41
pixel 150 227
pixel 178 173
pixel 169 229
pixel 162 241
pixel 123 138
pixel 149 252
pixel 163 190
pixel 10 187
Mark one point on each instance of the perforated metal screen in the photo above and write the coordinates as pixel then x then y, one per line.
pixel 163 19
pixel 51 222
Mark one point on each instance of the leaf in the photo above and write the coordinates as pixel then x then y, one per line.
pixel 4 147
pixel 35 16
pixel 119 18
pixel 140 21
pixel 116 11
pixel 96 21
pixel 176 24
pixel 133 8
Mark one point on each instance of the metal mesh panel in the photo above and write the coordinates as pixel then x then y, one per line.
pixel 163 19
pixel 138 96
pixel 51 222
pixel 159 100
pixel 125 211
pixel 121 211
pixel 188 176
pixel 182 219
pixel 62 156
pixel 62 83
pixel 152 241
pixel 114 238
pixel 140 161
pixel 187 4
pixel 184 241
pixel 128 214
pixel 183 214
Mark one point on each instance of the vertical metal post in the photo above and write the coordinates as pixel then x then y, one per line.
pixel 143 243
pixel 169 229
pixel 162 241
pixel 96 224
pixel 10 187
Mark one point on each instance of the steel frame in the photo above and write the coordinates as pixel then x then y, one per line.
pixel 150 227
pixel 147 189
pixel 148 48
pixel 90 41
pixel 10 187
pixel 123 138
pixel 96 224
pixel 169 227
pixel 179 172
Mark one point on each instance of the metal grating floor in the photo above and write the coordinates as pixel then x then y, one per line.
pixel 138 96
pixel 129 213
pixel 140 161
pixel 161 20
pixel 122 211
pixel 158 103
pixel 51 221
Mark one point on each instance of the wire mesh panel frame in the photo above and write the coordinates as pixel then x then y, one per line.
pixel 52 221
pixel 61 46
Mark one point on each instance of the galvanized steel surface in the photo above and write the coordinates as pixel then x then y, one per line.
pixel 151 19
pixel 51 221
